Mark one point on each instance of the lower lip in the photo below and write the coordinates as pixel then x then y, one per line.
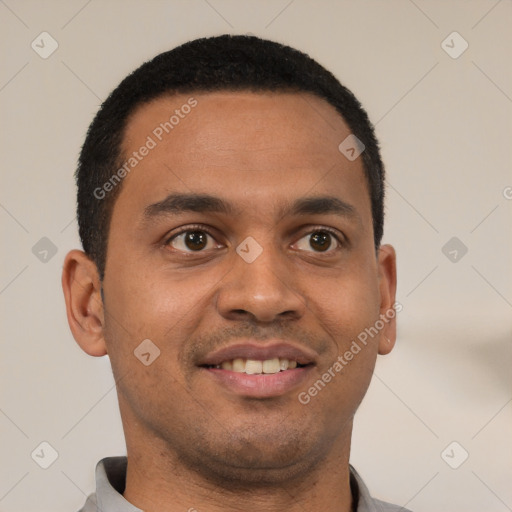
pixel 260 385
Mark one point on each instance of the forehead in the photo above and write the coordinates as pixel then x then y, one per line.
pixel 255 147
pixel 239 121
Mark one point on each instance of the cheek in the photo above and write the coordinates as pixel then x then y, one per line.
pixel 146 308
pixel 344 312
pixel 148 303
pixel 345 308
pixel 345 303
pixel 164 307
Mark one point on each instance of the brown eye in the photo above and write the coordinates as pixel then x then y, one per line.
pixel 191 241
pixel 318 241
pixel 195 240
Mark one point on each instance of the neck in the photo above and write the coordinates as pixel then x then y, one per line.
pixel 157 481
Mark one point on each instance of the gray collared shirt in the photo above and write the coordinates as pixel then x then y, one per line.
pixel 111 476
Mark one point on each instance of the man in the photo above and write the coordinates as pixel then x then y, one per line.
pixel 230 205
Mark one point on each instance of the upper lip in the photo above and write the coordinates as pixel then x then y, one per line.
pixel 260 352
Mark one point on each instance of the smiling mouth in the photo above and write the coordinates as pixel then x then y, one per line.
pixel 257 367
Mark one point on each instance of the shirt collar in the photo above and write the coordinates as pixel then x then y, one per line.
pixel 110 483
pixel 111 477
pixel 365 503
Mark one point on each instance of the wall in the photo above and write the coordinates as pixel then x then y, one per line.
pixel 445 125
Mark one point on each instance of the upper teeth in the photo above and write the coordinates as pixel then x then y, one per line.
pixel 252 366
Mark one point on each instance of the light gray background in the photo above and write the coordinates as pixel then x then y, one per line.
pixel 445 125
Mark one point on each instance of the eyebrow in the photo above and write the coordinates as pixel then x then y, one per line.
pixel 322 205
pixel 175 204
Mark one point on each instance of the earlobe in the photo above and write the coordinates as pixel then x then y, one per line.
pixel 84 305
pixel 387 284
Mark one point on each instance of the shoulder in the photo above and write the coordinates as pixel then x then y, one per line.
pixel 365 502
pixel 90 504
pixel 382 506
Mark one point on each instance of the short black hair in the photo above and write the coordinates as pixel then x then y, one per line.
pixel 221 63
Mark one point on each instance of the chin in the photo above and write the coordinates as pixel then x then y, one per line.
pixel 257 458
pixel 243 472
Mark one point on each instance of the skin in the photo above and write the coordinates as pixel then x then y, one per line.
pixel 191 442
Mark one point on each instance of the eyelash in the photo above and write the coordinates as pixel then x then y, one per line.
pixel 330 251
pixel 186 229
pixel 314 229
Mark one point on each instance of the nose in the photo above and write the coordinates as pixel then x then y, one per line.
pixel 262 291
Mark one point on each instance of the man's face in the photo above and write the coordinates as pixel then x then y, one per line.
pixel 187 275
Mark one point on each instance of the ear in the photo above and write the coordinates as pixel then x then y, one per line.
pixel 387 286
pixel 84 305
